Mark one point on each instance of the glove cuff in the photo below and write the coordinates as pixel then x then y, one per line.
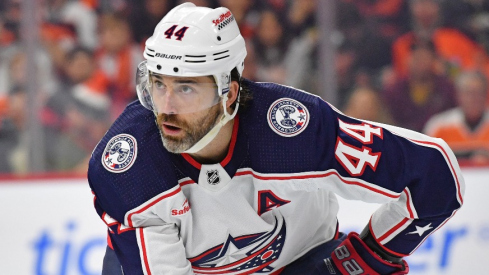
pixel 353 256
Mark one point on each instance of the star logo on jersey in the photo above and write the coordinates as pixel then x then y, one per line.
pixel 246 254
pixel 120 153
pixel 213 177
pixel 288 117
pixel 420 230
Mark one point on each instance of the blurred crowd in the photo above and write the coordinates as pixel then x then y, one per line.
pixel 417 64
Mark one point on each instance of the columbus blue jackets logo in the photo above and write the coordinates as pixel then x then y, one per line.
pixel 247 254
pixel 120 153
pixel 288 117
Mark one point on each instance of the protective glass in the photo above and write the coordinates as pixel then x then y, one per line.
pixel 175 95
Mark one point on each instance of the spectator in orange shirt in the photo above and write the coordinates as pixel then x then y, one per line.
pixel 466 127
pixel 458 51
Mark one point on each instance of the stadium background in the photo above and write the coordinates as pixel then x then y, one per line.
pixel 67 70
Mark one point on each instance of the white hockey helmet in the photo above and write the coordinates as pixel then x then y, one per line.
pixel 192 41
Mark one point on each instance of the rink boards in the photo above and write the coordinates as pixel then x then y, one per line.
pixel 49 226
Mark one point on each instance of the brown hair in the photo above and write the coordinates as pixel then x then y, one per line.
pixel 245 95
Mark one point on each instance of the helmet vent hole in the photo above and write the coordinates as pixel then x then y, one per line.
pixel 158 67
pixel 195 58
pixel 221 57
pixel 218 38
pixel 221 52
pixel 175 69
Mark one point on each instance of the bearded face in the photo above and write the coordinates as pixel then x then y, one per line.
pixel 181 131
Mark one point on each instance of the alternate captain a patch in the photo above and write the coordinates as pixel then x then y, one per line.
pixel 120 153
pixel 288 117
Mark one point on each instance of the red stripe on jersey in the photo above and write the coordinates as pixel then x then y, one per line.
pixel 186 182
pixel 323 175
pixel 229 154
pixel 234 137
pixel 192 161
pixel 219 247
pixel 385 235
pixel 120 230
pixel 104 219
pixel 143 247
pixel 129 218
pixel 205 254
pixel 109 242
pixel 392 230
pixel 247 272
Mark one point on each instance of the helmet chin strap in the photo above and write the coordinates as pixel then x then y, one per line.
pixel 204 141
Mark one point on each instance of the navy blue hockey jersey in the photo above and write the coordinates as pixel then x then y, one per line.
pixel 273 197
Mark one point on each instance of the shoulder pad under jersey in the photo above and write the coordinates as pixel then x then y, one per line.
pixel 130 165
pixel 290 123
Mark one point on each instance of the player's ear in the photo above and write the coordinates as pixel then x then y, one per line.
pixel 233 93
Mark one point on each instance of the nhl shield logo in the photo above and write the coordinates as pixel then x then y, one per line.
pixel 120 153
pixel 213 177
pixel 288 117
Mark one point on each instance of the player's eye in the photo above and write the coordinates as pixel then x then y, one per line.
pixel 159 85
pixel 186 89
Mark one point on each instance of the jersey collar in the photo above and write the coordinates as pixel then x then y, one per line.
pixel 237 151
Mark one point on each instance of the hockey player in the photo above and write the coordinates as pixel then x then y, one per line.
pixel 196 178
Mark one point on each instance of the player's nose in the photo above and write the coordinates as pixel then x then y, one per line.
pixel 169 103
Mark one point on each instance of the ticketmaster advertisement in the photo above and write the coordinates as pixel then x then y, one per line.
pixel 49 227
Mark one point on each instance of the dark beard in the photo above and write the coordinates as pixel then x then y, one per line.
pixel 193 131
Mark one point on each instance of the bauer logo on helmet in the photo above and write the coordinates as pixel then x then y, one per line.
pixel 168 56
